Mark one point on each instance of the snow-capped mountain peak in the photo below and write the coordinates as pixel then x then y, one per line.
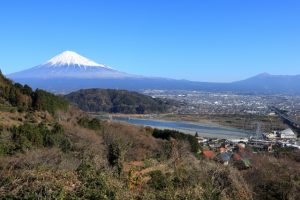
pixel 68 65
pixel 72 58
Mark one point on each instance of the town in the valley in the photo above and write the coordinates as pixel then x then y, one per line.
pixel 240 149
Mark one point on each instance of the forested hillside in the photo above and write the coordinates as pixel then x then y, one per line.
pixel 27 119
pixel 14 96
pixel 118 101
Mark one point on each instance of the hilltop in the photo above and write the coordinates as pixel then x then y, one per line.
pixel 118 101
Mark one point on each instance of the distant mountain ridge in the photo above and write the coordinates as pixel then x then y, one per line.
pixel 269 84
pixel 70 71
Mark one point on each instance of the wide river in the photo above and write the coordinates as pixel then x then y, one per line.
pixel 207 130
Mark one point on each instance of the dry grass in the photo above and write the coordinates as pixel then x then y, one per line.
pixel 274 177
pixel 140 144
pixel 87 144
pixel 33 158
pixel 49 170
pixel 8 119
pixel 37 181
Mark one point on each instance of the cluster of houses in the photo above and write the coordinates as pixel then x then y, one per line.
pixel 234 150
pixel 226 151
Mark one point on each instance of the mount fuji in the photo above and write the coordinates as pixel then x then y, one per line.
pixel 70 71
pixel 69 64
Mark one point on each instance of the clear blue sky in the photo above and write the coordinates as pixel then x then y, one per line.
pixel 205 40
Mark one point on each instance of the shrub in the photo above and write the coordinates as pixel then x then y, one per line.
pixel 93 124
pixel 65 145
pixel 5 148
pixel 94 184
pixel 168 134
pixel 28 135
pixel 116 155
pixel 158 180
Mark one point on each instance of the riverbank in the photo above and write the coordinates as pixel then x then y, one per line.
pixel 248 122
pixel 203 129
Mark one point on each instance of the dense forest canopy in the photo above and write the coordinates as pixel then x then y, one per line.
pixel 118 101
pixel 23 98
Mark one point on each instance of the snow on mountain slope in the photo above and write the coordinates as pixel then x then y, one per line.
pixel 69 64
pixel 72 58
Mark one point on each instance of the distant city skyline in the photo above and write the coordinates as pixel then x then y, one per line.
pixel 215 41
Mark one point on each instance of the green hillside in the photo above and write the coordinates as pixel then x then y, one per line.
pixel 118 101
pixel 14 96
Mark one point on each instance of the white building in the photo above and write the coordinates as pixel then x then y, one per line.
pixel 271 136
pixel 287 134
pixel 245 140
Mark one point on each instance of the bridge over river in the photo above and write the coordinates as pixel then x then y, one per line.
pixel 291 122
